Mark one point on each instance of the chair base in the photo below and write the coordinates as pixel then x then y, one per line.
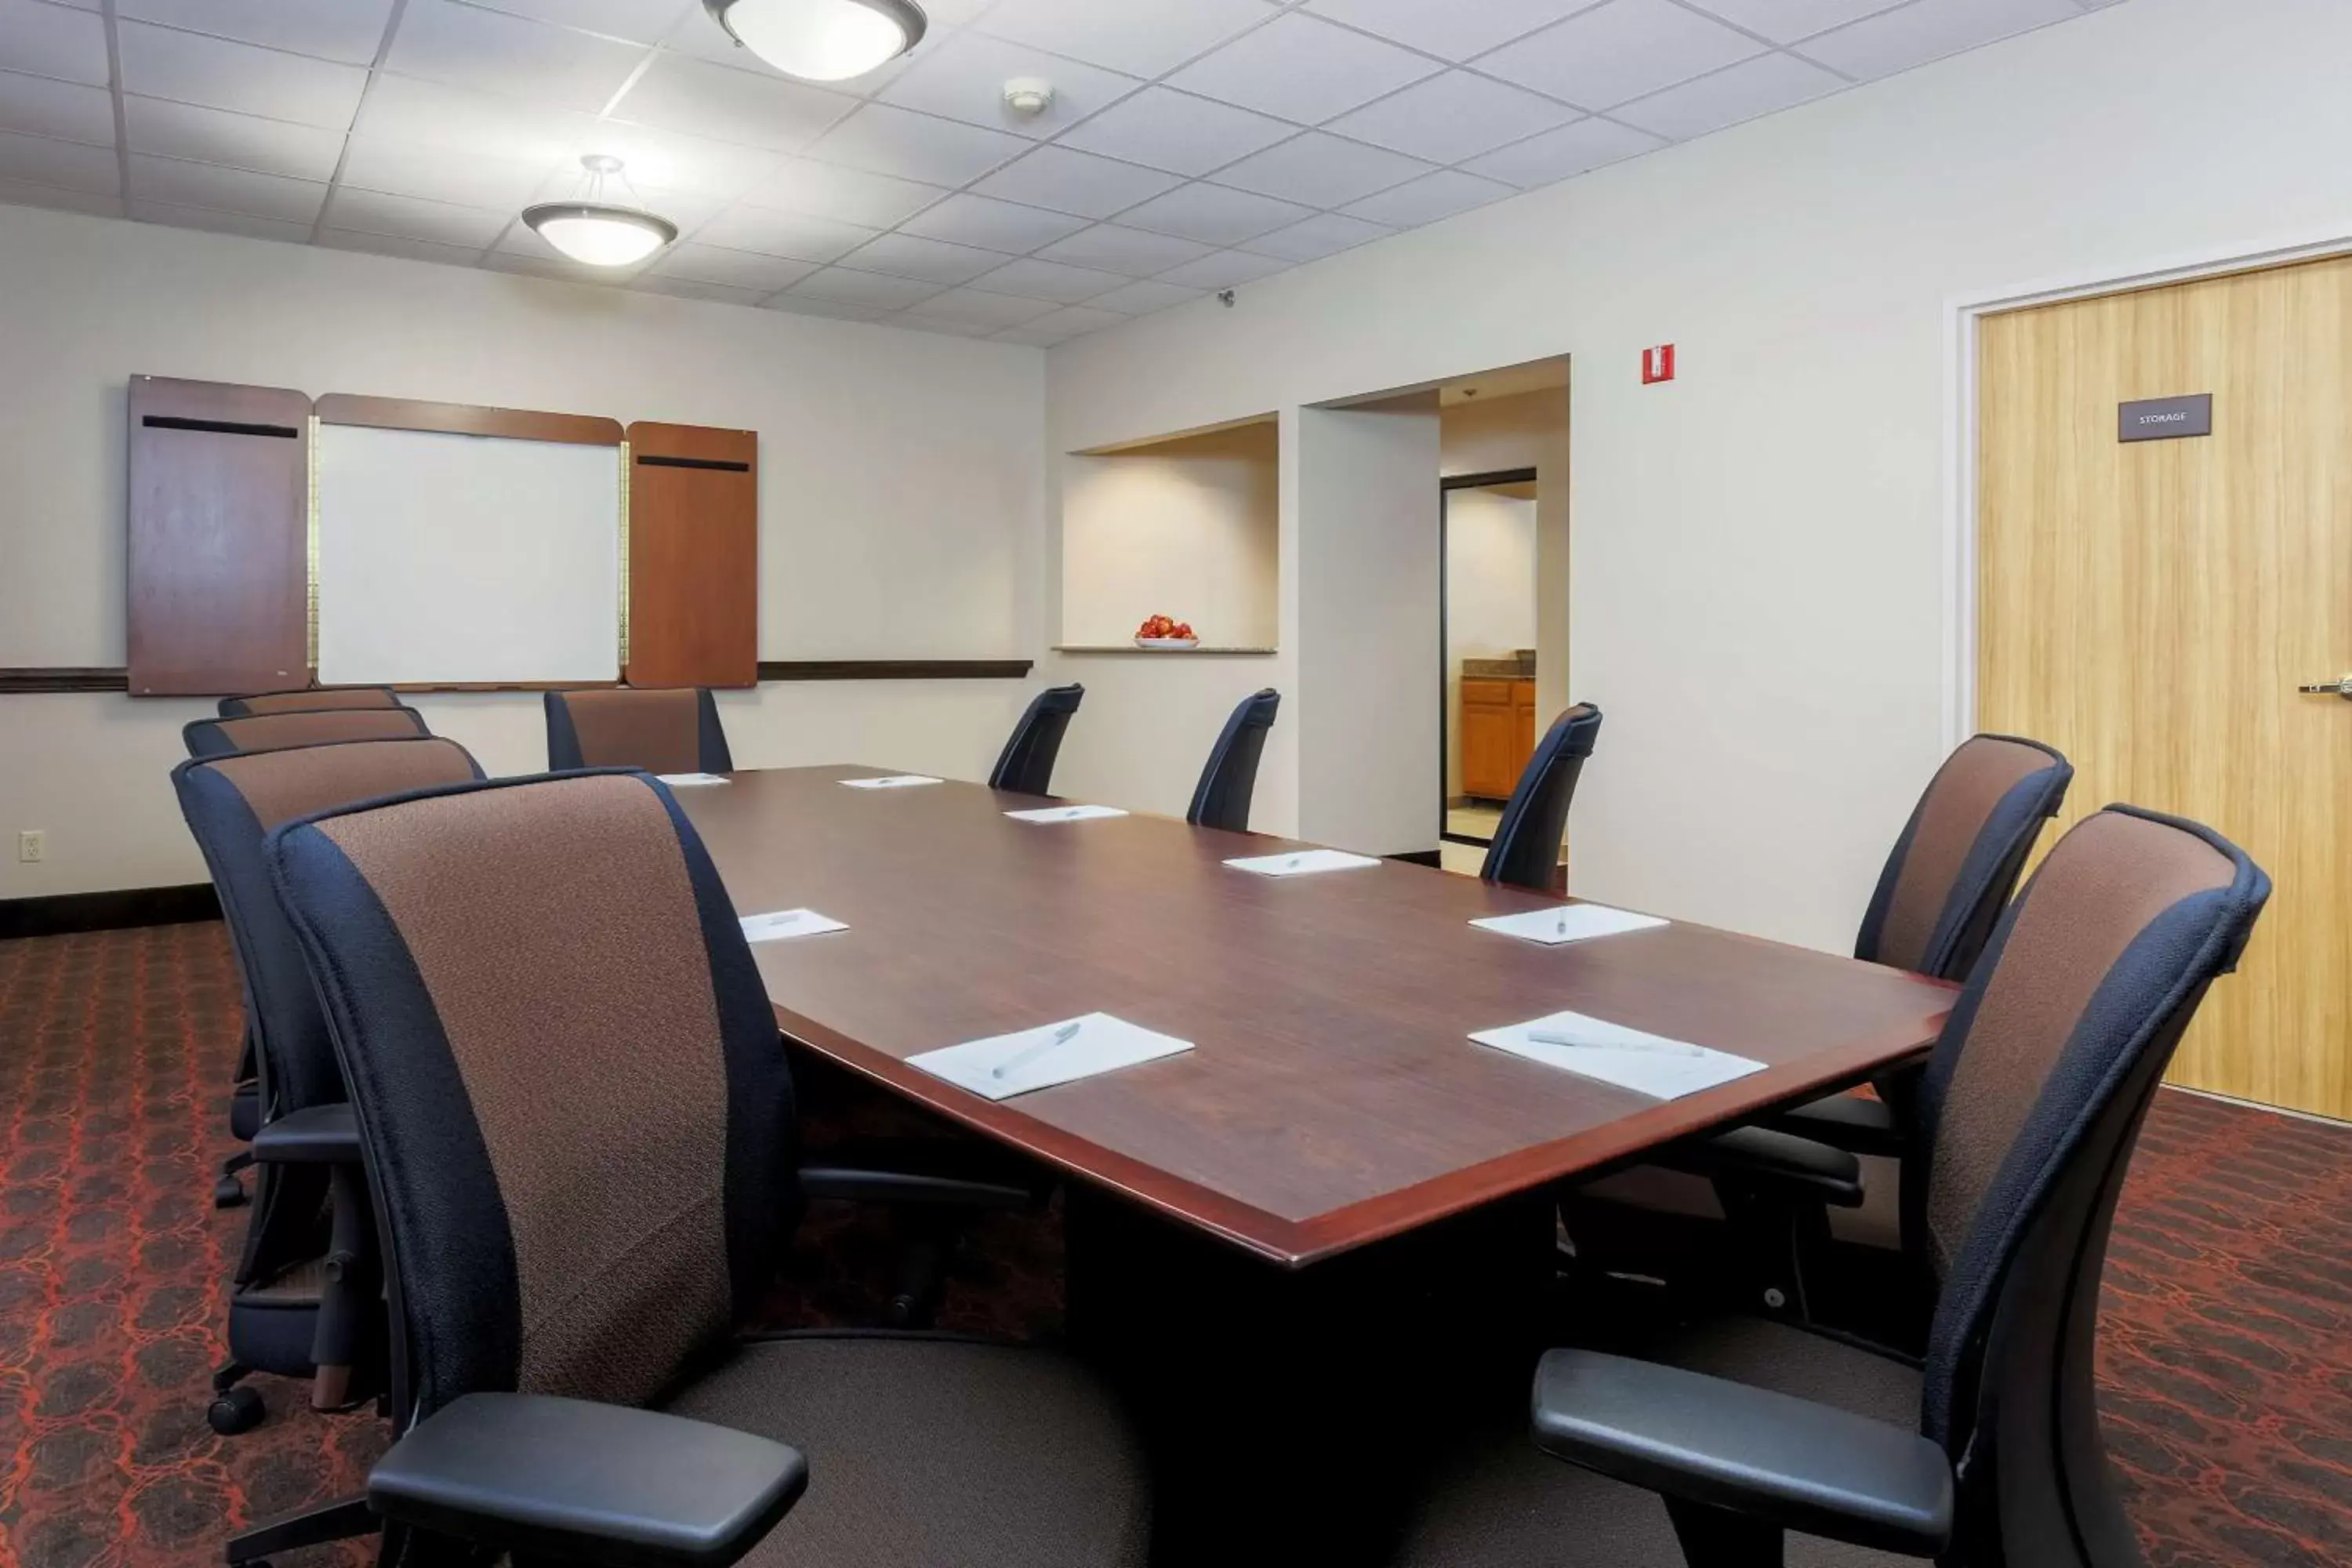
pixel 341 1520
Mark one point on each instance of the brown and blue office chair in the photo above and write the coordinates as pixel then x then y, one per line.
pixel 581 1134
pixel 308 700
pixel 1222 799
pixel 1525 850
pixel 663 729
pixel 1768 1444
pixel 1026 765
pixel 276 732
pixel 302 1298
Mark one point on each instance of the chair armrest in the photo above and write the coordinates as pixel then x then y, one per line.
pixel 575 1481
pixel 1773 1162
pixel 314 1135
pixel 925 1172
pixel 1781 1460
pixel 1845 1122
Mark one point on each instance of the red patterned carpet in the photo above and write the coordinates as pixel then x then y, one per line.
pixel 2227 1359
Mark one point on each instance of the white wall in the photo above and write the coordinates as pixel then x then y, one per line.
pixel 1490 596
pixel 1186 528
pixel 901 485
pixel 1759 597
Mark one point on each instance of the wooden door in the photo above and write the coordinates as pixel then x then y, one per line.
pixel 2150 607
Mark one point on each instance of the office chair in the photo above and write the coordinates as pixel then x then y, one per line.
pixel 1525 850
pixel 1026 765
pixel 670 730
pixel 309 700
pixel 582 1136
pixel 275 731
pixel 303 1297
pixel 1988 1455
pixel 1222 799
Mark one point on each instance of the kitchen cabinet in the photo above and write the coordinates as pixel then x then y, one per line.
pixel 1498 735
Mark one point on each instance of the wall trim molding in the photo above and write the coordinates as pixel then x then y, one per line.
pixel 27 678
pixel 115 909
pixel 63 678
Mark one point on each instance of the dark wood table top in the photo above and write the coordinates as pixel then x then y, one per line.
pixel 1332 1097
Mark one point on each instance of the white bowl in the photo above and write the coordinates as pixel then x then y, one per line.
pixel 1168 642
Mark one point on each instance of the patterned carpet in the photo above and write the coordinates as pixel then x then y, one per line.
pixel 2227 1352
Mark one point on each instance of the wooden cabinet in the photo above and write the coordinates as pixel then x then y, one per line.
pixel 1498 735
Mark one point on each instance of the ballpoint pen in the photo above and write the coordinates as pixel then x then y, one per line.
pixel 1655 1047
pixel 1022 1059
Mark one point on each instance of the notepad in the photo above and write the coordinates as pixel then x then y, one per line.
pixel 781 923
pixel 1301 863
pixel 1646 1064
pixel 1064 813
pixel 677 781
pixel 1570 922
pixel 1047 1055
pixel 894 781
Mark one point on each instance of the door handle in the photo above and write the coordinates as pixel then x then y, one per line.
pixel 2342 688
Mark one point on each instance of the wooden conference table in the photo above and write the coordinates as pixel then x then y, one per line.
pixel 1333 1099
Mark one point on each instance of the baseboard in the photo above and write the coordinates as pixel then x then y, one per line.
pixel 112 911
pixel 1418 858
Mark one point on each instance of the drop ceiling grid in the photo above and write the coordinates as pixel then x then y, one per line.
pixel 1220 140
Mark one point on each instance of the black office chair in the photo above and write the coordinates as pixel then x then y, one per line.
pixel 306 727
pixel 1026 764
pixel 1989 1454
pixel 581 1133
pixel 303 1300
pixel 1222 799
pixel 1525 850
pixel 308 700
pixel 663 729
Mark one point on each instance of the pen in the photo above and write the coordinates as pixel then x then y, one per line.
pixel 1563 926
pixel 1023 1057
pixel 1655 1047
pixel 1293 865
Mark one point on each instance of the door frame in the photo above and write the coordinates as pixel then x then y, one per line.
pixel 1963 317
pixel 1447 485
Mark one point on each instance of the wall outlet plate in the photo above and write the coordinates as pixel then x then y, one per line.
pixel 32 846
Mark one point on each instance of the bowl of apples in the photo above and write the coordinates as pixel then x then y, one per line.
pixel 1160 632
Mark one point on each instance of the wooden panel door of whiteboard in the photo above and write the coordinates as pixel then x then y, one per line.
pixel 2149 609
pixel 694 555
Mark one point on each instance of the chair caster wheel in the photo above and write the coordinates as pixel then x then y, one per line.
pixel 235 1410
pixel 228 1193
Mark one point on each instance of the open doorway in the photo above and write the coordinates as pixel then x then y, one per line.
pixel 1487 618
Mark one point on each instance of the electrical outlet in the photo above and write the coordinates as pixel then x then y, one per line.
pixel 32 846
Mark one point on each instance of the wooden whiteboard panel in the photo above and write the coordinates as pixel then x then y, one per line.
pixel 447 559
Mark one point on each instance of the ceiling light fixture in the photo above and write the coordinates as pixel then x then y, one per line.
pixel 593 230
pixel 822 40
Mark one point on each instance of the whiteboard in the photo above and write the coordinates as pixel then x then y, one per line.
pixel 449 560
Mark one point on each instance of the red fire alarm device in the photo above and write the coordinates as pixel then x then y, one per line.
pixel 1657 364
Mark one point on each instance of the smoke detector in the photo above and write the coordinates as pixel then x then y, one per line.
pixel 1028 96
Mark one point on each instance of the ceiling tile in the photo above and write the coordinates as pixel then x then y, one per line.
pixel 1451 117
pixel 489 50
pixel 888 141
pixel 546 262
pixel 926 261
pixel 1786 21
pixel 1430 198
pixel 1071 320
pixel 1325 234
pixel 1213 215
pixel 677 162
pixel 1929 30
pixel 49 40
pixel 239 141
pixel 1074 182
pixel 1321 171
pixel 376 213
pixel 404 169
pixel 1449 29
pixel 866 290
pixel 224 190
pixel 74 166
pixel 1132 252
pixel 1618 51
pixel 936 324
pixel 28 193
pixel 1144 40
pixel 1140 298
pixel 1225 269
pixel 693 289
pixel 39 107
pixel 1557 154
pixel 992 224
pixel 399 245
pixel 401 108
pixel 213 222
pixel 975 308
pixel 680 94
pixel 796 235
pixel 736 269
pixel 345 30
pixel 189 68
pixel 1038 280
pixel 839 310
pixel 1174 131
pixel 638 21
pixel 849 195
pixel 1741 92
pixel 964 79
pixel 1029 337
pixel 1302 70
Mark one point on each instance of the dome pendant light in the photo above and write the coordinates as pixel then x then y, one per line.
pixel 822 40
pixel 589 229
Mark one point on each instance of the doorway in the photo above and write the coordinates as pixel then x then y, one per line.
pixel 1488 603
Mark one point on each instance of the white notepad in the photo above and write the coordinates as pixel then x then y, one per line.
pixel 1301 862
pixel 781 923
pixel 895 781
pixel 1570 922
pixel 1064 813
pixel 677 780
pixel 1646 1064
pixel 1047 1055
